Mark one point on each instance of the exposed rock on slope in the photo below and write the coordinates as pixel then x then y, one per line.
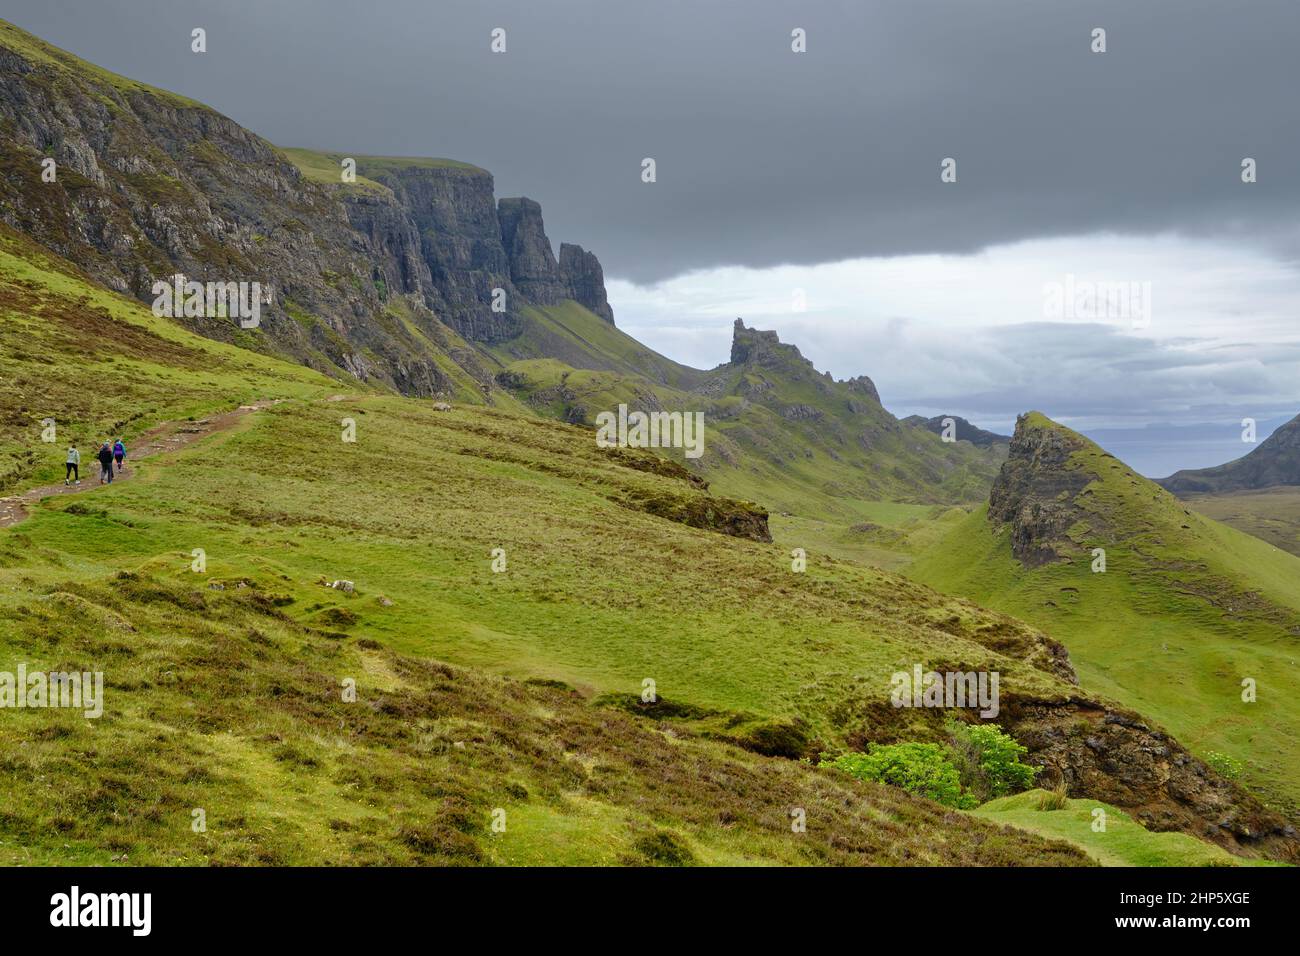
pixel 1034 491
pixel 584 280
pixel 1113 755
pixel 458 257
pixel 1275 462
pixel 765 350
pixel 533 268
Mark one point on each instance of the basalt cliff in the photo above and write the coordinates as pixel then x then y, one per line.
pixel 388 272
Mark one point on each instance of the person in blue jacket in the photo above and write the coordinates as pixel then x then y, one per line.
pixel 119 454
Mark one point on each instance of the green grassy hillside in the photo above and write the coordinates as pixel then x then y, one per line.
pixel 224 685
pixel 38 51
pixel 423 497
pixel 341 626
pixel 1123 842
pixel 1185 610
pixel 102 366
pixel 578 338
pixel 218 703
pixel 1271 514
pixel 823 453
pixel 325 167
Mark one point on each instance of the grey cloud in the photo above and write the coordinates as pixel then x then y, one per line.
pixel 765 156
pixel 1089 374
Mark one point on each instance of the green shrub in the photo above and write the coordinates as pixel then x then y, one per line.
pixel 989 760
pixel 923 769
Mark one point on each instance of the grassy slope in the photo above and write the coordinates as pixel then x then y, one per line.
pixel 1125 842
pixel 325 167
pixel 49 55
pixel 1272 514
pixel 423 497
pixel 1186 609
pixel 102 366
pixel 886 534
pixel 573 336
pixel 215 701
pixel 229 699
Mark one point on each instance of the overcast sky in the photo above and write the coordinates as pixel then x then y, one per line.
pixel 819 171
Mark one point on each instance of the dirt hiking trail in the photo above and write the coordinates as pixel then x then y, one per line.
pixel 169 436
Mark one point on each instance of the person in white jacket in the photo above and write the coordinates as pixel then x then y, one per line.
pixel 73 470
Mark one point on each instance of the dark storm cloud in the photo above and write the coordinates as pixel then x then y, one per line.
pixel 764 156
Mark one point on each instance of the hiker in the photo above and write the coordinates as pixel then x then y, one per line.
pixel 119 452
pixel 72 471
pixel 105 463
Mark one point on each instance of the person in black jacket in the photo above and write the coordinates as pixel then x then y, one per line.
pixel 106 463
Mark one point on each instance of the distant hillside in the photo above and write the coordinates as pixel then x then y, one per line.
pixel 962 429
pixel 1275 462
pixel 1185 610
pixel 1272 514
pixel 780 431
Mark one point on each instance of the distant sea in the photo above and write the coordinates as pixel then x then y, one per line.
pixel 1157 451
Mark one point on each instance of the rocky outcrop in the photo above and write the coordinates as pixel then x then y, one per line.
pixel 149 184
pixel 584 280
pixel 763 348
pixel 1034 491
pixel 861 385
pixel 1111 755
pixel 802 413
pixel 740 519
pixel 533 268
pixel 391 235
pixel 1275 462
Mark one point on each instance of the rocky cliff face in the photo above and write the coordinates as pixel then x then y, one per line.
pixel 1104 753
pixel 584 280
pixel 533 268
pixel 1034 492
pixel 1275 462
pixel 452 211
pixel 147 184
